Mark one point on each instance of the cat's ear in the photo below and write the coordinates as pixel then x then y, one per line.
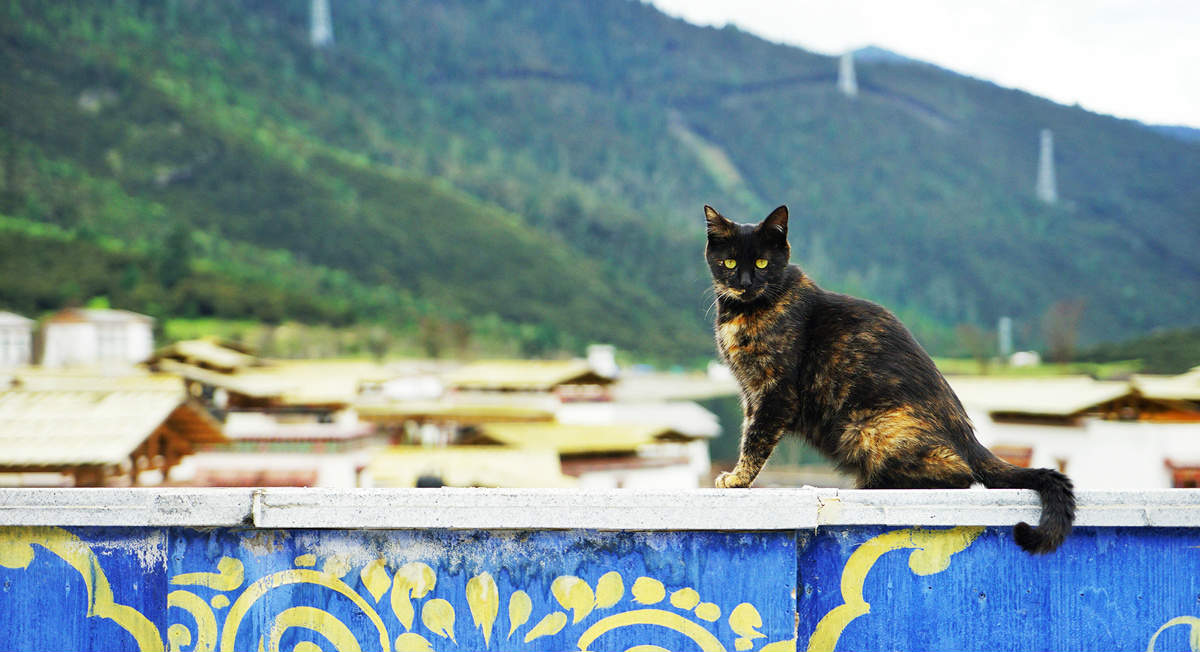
pixel 718 225
pixel 776 222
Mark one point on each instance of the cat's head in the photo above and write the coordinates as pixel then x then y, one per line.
pixel 747 260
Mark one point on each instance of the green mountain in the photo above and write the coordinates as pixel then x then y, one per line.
pixel 541 166
pixel 1171 351
pixel 1178 132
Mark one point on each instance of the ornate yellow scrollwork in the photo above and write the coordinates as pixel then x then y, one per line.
pixel 412 589
pixel 16 551
pixel 1193 624
pixel 206 623
pixel 214 622
pixel 931 554
pixel 299 576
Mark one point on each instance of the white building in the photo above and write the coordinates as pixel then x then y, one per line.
pixel 16 340
pixel 84 337
pixel 289 450
pixel 607 456
pixel 1104 435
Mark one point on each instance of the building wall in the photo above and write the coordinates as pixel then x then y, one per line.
pixel 680 476
pixel 668 465
pixel 139 341
pixel 125 341
pixel 327 470
pixel 16 345
pixel 69 344
pixel 1101 454
pixel 1133 455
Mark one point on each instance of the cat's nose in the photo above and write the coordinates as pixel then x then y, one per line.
pixel 743 280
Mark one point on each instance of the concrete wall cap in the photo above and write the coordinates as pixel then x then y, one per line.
pixel 701 509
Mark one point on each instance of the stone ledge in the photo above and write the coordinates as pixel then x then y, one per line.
pixel 560 509
pixel 126 507
pixel 993 507
pixel 540 509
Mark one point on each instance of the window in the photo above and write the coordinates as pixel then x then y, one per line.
pixel 1015 455
pixel 1183 476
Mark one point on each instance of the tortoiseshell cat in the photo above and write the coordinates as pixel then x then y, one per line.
pixel 847 376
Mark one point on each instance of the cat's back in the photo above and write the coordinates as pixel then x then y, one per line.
pixel 862 347
pixel 844 321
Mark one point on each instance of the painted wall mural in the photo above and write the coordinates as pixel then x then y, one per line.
pixel 307 590
pixel 877 588
pixel 845 588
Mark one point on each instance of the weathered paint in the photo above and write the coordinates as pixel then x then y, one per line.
pixel 237 589
pixel 846 584
pixel 971 588
pixel 97 589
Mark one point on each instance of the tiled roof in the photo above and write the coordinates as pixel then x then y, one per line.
pixel 76 427
pixel 524 375
pixel 576 439
pixel 1054 396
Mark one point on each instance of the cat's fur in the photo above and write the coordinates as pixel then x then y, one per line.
pixel 847 376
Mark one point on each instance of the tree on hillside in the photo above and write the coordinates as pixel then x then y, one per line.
pixel 174 260
pixel 980 344
pixel 1061 326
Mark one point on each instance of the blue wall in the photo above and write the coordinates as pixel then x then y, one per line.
pixel 847 587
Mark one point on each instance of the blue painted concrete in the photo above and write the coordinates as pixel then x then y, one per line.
pixel 722 568
pixel 1105 589
pixel 847 587
pixel 44 601
pixel 232 589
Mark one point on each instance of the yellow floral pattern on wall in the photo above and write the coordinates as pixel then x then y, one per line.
pixel 390 603
pixel 410 590
pixel 253 590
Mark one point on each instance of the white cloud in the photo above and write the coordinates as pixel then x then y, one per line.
pixel 1130 58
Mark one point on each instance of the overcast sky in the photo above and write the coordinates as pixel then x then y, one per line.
pixel 1129 58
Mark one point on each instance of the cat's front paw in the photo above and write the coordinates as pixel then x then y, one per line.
pixel 729 480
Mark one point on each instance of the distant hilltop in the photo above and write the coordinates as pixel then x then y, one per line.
pixel 1189 134
pixel 876 54
pixel 532 175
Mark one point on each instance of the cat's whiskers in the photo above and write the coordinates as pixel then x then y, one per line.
pixel 712 305
pixel 729 293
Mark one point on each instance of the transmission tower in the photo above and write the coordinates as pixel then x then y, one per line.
pixel 322 26
pixel 1047 187
pixel 847 83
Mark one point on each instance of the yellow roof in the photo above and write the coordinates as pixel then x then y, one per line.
pixel 396 411
pixel 576 439
pixel 468 466
pixel 290 382
pixel 206 353
pixel 1184 387
pixel 317 382
pixel 97 379
pixel 1058 396
pixel 524 375
pixel 254 385
pixel 75 427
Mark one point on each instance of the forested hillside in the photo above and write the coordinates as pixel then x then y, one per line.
pixel 538 169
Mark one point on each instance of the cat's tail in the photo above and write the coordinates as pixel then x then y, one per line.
pixel 1058 502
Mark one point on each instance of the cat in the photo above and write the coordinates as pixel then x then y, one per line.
pixel 848 377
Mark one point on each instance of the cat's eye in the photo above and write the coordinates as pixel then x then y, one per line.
pixel 760 263
pixel 730 263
